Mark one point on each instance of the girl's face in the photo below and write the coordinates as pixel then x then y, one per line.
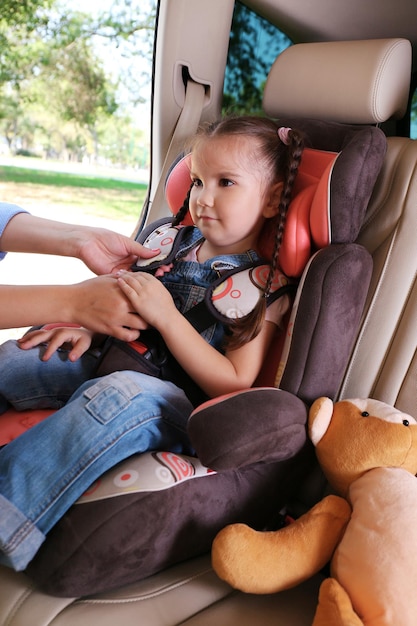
pixel 230 199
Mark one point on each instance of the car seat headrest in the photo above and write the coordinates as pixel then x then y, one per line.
pixel 335 180
pixel 353 82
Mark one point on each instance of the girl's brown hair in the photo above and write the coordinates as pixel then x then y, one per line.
pixel 279 162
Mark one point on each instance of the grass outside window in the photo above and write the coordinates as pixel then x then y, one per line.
pixel 106 197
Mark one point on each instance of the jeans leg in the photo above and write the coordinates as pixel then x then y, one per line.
pixel 27 382
pixel 45 470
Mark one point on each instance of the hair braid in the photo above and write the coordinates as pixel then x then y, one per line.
pixel 183 210
pixel 294 153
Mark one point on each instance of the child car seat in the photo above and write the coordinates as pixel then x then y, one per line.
pixel 336 274
pixel 281 423
pixel 241 481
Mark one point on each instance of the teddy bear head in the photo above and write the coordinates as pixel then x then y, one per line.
pixel 354 436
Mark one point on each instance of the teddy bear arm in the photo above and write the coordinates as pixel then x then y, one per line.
pixel 267 562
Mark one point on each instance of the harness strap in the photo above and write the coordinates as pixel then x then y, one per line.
pixel 160 234
pixel 202 315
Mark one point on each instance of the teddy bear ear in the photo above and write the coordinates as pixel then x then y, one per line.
pixel 319 418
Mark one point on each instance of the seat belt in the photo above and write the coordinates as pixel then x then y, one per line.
pixel 186 126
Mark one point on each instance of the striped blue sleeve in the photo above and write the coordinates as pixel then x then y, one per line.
pixel 7 211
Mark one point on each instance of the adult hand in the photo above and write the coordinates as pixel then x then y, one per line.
pixel 106 252
pixel 100 305
pixel 102 250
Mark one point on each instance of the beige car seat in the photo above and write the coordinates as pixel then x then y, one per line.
pixel 382 364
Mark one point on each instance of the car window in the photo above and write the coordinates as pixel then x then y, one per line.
pixel 254 45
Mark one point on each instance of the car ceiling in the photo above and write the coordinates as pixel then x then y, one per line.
pixel 334 20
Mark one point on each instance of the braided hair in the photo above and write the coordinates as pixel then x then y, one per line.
pixel 183 210
pixel 277 152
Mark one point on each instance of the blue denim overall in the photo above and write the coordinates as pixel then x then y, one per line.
pixel 188 281
pixel 45 470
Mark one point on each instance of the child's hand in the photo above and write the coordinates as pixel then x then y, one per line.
pixel 148 295
pixel 163 269
pixel 76 340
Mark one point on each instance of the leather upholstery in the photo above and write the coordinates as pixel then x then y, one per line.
pixel 353 82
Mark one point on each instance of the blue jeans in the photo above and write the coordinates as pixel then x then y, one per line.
pixel 27 382
pixel 45 470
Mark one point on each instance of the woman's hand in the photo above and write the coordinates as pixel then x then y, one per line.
pixel 102 250
pixel 106 252
pixel 99 304
pixel 73 339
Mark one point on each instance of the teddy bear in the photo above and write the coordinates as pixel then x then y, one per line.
pixel 366 527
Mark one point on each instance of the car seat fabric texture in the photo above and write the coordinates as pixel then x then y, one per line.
pixel 255 442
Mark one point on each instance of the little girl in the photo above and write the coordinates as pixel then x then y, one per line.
pixel 242 172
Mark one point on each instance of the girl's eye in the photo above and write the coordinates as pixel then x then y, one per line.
pixel 197 182
pixel 225 182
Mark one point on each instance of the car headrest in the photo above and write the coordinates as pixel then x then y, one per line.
pixel 353 82
pixel 338 170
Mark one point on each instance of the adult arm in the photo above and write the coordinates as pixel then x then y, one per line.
pixel 102 250
pixel 97 304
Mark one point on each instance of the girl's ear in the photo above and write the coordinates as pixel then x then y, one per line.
pixel 272 200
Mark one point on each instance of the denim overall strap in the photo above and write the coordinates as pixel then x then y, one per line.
pixel 193 237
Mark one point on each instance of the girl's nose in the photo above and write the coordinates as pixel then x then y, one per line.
pixel 205 197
